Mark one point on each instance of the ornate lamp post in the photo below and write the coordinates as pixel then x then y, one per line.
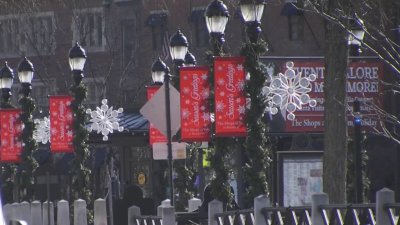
pixel 6 81
pixel 252 11
pixel 178 46
pixel 190 60
pixel 256 143
pixel 217 16
pixel 25 75
pixel 356 36
pixel 80 180
pixel 8 171
pixel 358 183
pixel 354 41
pixel 160 72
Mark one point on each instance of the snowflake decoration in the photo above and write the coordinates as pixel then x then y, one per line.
pixel 220 81
pixel 185 114
pixel 42 132
pixel 205 94
pixel 289 92
pixel 241 85
pixel 104 119
pixel 219 106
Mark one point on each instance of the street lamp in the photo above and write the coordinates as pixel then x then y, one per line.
pixel 217 16
pixel 256 141
pixel 6 81
pixel 77 59
pixel 252 11
pixel 25 75
pixel 356 36
pixel 178 46
pixel 80 187
pixel 160 70
pixel 190 60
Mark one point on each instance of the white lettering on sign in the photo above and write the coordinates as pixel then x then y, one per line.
pixel 362 87
pixel 195 87
pixel 231 107
pixel 196 114
pixel 306 71
pixel 363 73
pixel 230 86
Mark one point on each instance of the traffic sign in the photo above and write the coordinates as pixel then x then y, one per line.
pixel 154 110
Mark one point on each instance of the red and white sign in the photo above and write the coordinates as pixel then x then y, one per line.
pixel 10 135
pixel 155 136
pixel 363 84
pixel 61 119
pixel 230 99
pixel 195 109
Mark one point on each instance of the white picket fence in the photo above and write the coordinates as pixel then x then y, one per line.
pixel 384 212
pixel 37 213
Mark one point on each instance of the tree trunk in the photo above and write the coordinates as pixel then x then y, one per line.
pixel 335 139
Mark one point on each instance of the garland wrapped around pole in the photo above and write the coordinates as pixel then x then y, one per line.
pixel 8 170
pixel 217 15
pixel 28 162
pixel 257 151
pixel 81 179
pixel 81 185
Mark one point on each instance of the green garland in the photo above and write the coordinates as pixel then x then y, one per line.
pixel 29 163
pixel 8 170
pixel 255 171
pixel 182 182
pixel 80 172
pixel 220 187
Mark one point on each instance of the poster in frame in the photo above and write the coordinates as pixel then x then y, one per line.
pixel 299 176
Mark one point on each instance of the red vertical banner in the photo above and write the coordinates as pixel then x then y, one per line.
pixel 61 119
pixel 155 136
pixel 195 109
pixel 230 98
pixel 10 135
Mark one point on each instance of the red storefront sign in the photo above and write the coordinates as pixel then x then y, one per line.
pixel 10 135
pixel 61 119
pixel 195 110
pixel 155 136
pixel 363 84
pixel 230 99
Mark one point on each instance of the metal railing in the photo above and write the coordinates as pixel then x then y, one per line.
pixel 237 217
pixel 391 208
pixel 147 220
pixel 189 218
pixel 299 215
pixel 348 214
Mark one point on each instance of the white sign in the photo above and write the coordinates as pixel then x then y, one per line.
pixel 154 110
pixel 160 150
pixel 301 178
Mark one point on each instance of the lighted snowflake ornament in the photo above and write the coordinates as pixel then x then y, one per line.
pixel 289 92
pixel 41 133
pixel 104 119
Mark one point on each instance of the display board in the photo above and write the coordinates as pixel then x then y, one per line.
pixel 299 176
